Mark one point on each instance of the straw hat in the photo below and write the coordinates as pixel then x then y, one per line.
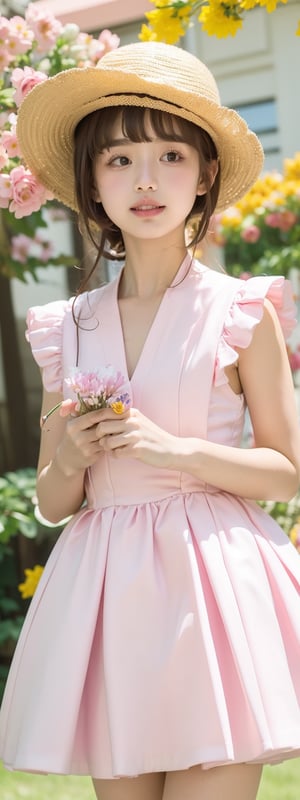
pixel 148 74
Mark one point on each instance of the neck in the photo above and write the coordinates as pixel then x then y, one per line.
pixel 150 267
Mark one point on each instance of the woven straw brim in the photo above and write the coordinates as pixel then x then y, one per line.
pixel 50 112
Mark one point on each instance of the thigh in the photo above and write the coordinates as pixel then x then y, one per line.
pixel 143 787
pixel 234 782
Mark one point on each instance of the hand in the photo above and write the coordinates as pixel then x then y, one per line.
pixel 136 436
pixel 79 447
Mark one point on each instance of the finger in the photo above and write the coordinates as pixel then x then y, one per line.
pixel 67 407
pixel 113 442
pixel 91 418
pixel 110 427
pixel 114 412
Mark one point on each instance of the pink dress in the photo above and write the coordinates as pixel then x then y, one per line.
pixel 165 629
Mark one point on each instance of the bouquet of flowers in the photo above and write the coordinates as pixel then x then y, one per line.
pixel 94 390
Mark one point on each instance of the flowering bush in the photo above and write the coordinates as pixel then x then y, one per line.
pixel 32 49
pixel 288 517
pixel 261 233
pixel 28 586
pixel 169 21
pixel 19 523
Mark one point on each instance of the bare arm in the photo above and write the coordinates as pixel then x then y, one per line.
pixel 68 447
pixel 271 469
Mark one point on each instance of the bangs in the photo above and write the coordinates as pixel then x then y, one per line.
pixel 138 125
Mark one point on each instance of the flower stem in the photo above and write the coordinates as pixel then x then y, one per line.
pixel 46 416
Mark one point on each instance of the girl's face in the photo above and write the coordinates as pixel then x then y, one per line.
pixel 147 188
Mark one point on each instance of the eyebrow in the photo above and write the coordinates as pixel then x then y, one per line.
pixel 125 141
pixel 118 143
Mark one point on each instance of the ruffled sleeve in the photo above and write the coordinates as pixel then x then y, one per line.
pixel 246 312
pixel 44 334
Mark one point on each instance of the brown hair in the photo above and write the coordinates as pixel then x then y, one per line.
pixel 94 134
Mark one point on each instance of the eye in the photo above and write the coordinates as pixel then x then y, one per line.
pixel 119 161
pixel 172 157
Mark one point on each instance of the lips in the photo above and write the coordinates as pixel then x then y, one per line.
pixel 146 204
pixel 145 207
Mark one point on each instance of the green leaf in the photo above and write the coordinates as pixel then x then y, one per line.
pixel 8 605
pixel 28 527
pixel 10 629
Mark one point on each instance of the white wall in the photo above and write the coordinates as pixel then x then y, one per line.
pixel 261 61
pixel 52 283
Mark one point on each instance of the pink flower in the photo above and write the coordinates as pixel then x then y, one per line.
pixel 94 390
pixel 28 194
pixel 251 234
pixel 93 384
pixel 24 80
pixel 5 57
pixel 284 220
pixel 20 247
pixel 46 250
pixel 45 26
pixel 3 156
pixel 106 41
pixel 5 189
pixel 4 28
pixel 10 142
pixel 98 389
pixel 287 220
pixel 273 219
pixel 109 40
pixel 20 37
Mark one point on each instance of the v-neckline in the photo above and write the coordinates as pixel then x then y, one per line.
pixel 155 324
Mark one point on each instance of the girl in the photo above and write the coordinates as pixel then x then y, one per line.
pixel 160 651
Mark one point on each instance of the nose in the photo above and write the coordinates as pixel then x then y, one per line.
pixel 145 179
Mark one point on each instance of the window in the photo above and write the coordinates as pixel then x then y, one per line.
pixel 262 119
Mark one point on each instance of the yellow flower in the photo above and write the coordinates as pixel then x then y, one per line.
pixel 146 34
pixel 32 577
pixel 165 25
pixel 298 29
pixel 289 188
pixel 292 165
pixel 248 4
pixel 231 218
pixel 250 202
pixel 221 19
pixel 294 534
pixel 118 407
pixel 218 18
pixel 185 12
pixel 270 5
